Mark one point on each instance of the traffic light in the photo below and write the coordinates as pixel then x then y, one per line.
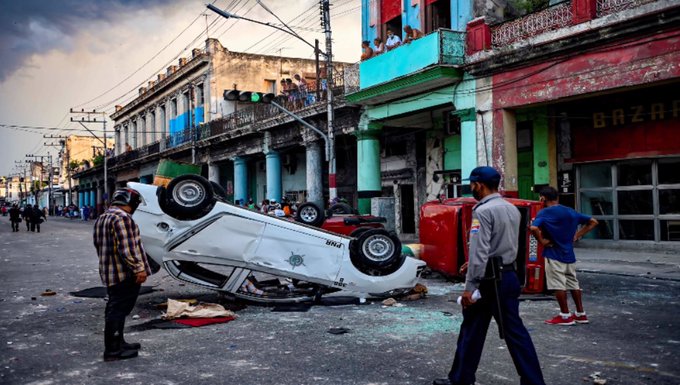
pixel 248 96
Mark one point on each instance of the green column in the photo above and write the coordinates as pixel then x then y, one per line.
pixel 541 148
pixel 368 166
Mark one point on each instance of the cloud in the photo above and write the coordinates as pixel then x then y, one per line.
pixel 29 27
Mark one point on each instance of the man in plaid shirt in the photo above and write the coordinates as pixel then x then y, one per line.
pixel 123 268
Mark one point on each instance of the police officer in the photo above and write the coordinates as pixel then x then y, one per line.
pixel 494 233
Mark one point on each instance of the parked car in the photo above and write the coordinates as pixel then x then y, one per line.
pixel 444 237
pixel 202 239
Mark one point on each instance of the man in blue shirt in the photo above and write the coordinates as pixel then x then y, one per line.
pixel 556 227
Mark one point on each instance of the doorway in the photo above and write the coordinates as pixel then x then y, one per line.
pixel 525 160
pixel 408 218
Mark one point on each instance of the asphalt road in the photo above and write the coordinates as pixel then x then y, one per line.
pixel 634 337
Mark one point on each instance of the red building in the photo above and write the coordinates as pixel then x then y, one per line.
pixel 585 95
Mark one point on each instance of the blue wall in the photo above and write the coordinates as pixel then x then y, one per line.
pixel 181 123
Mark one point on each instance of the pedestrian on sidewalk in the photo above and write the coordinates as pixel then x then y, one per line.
pixel 493 234
pixel 15 217
pixel 555 227
pixel 123 268
pixel 37 216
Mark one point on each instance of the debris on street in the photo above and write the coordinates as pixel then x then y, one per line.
pixel 178 309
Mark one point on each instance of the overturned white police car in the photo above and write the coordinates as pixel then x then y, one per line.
pixel 198 237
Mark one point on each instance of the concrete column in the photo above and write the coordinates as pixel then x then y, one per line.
pixel 468 145
pixel 368 166
pixel 93 197
pixel 314 173
pixel 80 199
pixel 509 171
pixel 214 173
pixel 274 175
pixel 100 194
pixel 240 179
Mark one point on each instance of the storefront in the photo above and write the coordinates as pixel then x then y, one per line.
pixel 625 155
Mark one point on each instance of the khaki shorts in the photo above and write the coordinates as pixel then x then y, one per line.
pixel 560 275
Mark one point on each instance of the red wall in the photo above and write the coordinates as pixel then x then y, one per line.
pixel 628 64
pixel 625 125
pixel 389 9
pixel 624 64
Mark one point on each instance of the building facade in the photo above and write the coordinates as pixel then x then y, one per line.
pixel 418 112
pixel 251 150
pixel 583 95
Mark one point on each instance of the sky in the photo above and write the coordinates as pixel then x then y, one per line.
pixel 93 54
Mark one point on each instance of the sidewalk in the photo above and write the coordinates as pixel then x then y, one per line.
pixel 649 264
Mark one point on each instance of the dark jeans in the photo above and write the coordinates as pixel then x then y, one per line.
pixel 476 319
pixel 35 225
pixel 15 226
pixel 122 299
pixel 28 225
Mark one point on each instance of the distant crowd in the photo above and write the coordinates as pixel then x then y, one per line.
pixel 393 41
pixel 285 208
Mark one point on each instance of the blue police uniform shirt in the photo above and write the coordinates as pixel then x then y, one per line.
pixel 559 224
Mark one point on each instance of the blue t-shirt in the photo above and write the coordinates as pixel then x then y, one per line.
pixel 559 224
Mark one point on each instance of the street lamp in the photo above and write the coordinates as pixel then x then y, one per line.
pixel 332 193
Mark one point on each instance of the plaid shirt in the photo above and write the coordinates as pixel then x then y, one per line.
pixel 119 247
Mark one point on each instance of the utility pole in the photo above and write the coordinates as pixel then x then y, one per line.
pixel 51 196
pixel 326 18
pixel 49 175
pixel 65 154
pixel 318 69
pixel 87 117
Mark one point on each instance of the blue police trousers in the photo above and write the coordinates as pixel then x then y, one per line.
pixel 476 319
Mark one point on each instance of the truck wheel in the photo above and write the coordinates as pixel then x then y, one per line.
pixel 187 197
pixel 341 208
pixel 310 214
pixel 376 252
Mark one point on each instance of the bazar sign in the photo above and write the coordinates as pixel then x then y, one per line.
pixel 637 114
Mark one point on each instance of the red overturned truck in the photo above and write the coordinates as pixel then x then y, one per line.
pixel 444 233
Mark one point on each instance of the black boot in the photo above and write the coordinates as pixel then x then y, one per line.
pixel 113 338
pixel 126 345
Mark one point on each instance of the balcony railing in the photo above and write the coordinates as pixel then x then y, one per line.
pixel 247 116
pixel 551 18
pixel 440 47
pixel 607 7
pixel 555 17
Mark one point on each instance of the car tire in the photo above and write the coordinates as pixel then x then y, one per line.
pixel 310 214
pixel 187 197
pixel 376 252
pixel 218 191
pixel 341 208
pixel 357 232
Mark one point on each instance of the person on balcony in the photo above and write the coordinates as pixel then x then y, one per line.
pixel 393 41
pixel 366 50
pixel 302 88
pixel 379 46
pixel 293 93
pixel 411 34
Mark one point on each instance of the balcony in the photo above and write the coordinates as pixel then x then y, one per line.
pixel 557 21
pixel 247 120
pixel 426 63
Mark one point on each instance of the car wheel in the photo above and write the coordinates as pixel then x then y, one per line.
pixel 310 214
pixel 187 197
pixel 376 252
pixel 341 208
